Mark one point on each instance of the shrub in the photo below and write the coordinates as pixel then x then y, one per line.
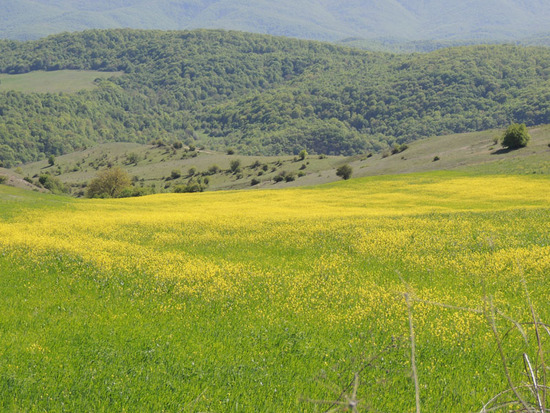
pixel 3 179
pixel 53 184
pixel 436 158
pixel 254 182
pixel 214 169
pixel 303 154
pixel 132 158
pixel 158 143
pixel 344 171
pixel 175 174
pixel 189 188
pixel 235 165
pixel 516 136
pixel 134 191
pixel 290 177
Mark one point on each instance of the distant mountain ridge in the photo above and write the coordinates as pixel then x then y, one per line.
pixel 507 20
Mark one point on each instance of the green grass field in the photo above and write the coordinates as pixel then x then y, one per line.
pixel 268 301
pixel 53 82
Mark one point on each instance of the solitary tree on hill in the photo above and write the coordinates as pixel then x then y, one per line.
pixel 109 183
pixel 516 136
pixel 344 171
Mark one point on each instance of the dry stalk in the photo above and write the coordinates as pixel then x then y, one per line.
pixel 540 351
pixel 345 400
pixel 491 319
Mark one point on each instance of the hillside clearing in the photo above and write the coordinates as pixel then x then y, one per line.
pixel 66 81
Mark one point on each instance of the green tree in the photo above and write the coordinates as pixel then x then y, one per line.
pixel 516 136
pixel 53 184
pixel 51 160
pixel 303 154
pixel 109 183
pixel 344 171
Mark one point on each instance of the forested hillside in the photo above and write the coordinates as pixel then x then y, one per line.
pixel 262 95
pixel 310 19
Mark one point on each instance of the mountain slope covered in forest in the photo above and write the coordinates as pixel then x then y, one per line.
pixel 261 94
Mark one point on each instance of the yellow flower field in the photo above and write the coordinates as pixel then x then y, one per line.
pixel 328 264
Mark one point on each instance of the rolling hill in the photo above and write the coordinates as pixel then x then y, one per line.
pixel 311 19
pixel 261 95
pixel 157 169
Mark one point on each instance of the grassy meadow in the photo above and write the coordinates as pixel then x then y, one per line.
pixel 66 81
pixel 268 301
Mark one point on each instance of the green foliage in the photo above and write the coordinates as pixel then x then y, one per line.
pixel 302 155
pixel 290 177
pixel 135 191
pixel 3 179
pixel 189 188
pixel 235 165
pixel 51 160
pixel 213 169
pixel 399 148
pixel 262 95
pixel 132 158
pixel 110 183
pixel 516 136
pixel 52 183
pixel 279 178
pixel 344 171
